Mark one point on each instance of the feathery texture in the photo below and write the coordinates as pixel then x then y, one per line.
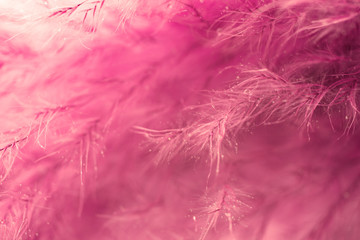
pixel 167 119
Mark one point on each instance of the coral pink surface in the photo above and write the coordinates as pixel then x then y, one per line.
pixel 179 119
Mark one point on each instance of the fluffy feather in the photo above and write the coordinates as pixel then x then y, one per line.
pixel 174 119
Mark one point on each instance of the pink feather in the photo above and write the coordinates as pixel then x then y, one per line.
pixel 194 119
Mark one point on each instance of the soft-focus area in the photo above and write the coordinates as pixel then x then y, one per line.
pixel 171 120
